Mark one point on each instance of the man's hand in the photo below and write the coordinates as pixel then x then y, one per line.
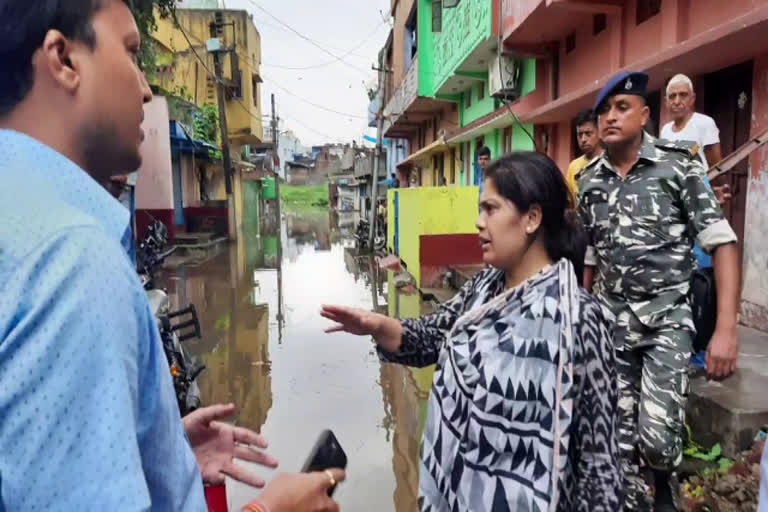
pixel 723 194
pixel 303 492
pixel 217 444
pixel 722 353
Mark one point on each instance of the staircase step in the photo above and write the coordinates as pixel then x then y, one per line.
pixel 732 411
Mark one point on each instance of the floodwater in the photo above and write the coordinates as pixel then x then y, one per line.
pixel 265 350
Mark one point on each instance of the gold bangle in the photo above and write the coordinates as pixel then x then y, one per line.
pixel 254 507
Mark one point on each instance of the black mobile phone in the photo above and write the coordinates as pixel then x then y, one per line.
pixel 326 454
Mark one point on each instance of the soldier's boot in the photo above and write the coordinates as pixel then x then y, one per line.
pixel 667 492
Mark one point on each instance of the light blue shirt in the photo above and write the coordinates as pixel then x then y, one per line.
pixel 763 499
pixel 88 415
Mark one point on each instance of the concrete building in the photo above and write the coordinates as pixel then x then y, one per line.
pixel 184 71
pixel 186 76
pixel 444 97
pixel 289 146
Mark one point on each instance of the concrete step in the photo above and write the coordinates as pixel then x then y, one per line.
pixel 732 411
pixel 184 238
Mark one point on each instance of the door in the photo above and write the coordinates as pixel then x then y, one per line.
pixel 728 100
pixel 178 197
pixel 479 143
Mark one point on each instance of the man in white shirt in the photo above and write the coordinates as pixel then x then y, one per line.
pixel 689 125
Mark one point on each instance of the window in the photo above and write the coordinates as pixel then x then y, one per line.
pixel 599 23
pixel 411 37
pixel 507 146
pixel 255 81
pixel 235 89
pixel 481 92
pixel 437 15
pixel 570 43
pixel 647 9
pixel 468 95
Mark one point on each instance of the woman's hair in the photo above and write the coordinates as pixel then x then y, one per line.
pixel 528 178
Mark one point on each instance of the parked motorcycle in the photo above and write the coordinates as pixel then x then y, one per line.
pixel 175 327
pixel 362 233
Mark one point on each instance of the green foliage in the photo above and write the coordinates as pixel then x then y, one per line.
pixel 697 452
pixel 144 11
pixel 206 124
pixel 304 198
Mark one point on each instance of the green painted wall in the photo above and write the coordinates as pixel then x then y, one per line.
pixel 464 27
pixel 478 107
pixel 425 42
pixel 529 77
pixel 520 140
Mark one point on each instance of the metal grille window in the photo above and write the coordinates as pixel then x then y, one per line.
pixel 599 23
pixel 647 9
pixel 570 43
pixel 437 15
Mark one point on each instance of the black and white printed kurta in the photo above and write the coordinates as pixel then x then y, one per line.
pixel 506 361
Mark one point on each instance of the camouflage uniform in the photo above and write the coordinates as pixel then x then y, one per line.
pixel 641 230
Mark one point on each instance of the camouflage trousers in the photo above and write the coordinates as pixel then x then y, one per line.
pixel 653 389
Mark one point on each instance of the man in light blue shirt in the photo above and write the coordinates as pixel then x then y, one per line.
pixel 88 414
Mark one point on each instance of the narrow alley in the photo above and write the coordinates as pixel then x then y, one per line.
pixel 265 350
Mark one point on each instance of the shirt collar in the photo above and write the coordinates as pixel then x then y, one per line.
pixel 647 153
pixel 648 148
pixel 63 178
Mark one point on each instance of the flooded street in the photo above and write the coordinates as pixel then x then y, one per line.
pixel 265 350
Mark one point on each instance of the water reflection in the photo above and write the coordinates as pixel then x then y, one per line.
pixel 258 303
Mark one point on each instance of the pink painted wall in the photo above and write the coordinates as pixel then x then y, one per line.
pixel 705 14
pixel 562 151
pixel 640 40
pixel 154 187
pixel 754 306
pixel 591 59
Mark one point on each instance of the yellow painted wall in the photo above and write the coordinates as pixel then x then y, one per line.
pixel 188 78
pixel 430 211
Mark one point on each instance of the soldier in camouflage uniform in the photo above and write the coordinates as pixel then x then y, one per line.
pixel 643 203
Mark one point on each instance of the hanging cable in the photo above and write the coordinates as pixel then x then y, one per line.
pixel 346 54
pixel 238 101
pixel 309 40
pixel 508 104
pixel 245 60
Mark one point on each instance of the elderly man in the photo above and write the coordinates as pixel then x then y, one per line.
pixel 643 203
pixel 687 124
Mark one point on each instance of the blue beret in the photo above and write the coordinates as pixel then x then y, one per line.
pixel 626 82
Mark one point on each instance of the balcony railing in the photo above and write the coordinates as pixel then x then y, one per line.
pixel 405 94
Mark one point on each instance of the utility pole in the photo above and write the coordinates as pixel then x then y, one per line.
pixel 377 156
pixel 276 157
pixel 221 97
pixel 275 145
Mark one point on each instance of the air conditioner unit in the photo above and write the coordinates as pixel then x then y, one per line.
pixel 504 78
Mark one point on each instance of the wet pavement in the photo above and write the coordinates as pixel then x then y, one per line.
pixel 265 350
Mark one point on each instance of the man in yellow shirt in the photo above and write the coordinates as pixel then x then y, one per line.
pixel 589 144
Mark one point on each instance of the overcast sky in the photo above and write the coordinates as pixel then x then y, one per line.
pixel 338 26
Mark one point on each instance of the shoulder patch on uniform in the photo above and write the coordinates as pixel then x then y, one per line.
pixel 683 146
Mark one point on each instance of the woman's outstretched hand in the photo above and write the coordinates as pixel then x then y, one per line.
pixel 387 332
